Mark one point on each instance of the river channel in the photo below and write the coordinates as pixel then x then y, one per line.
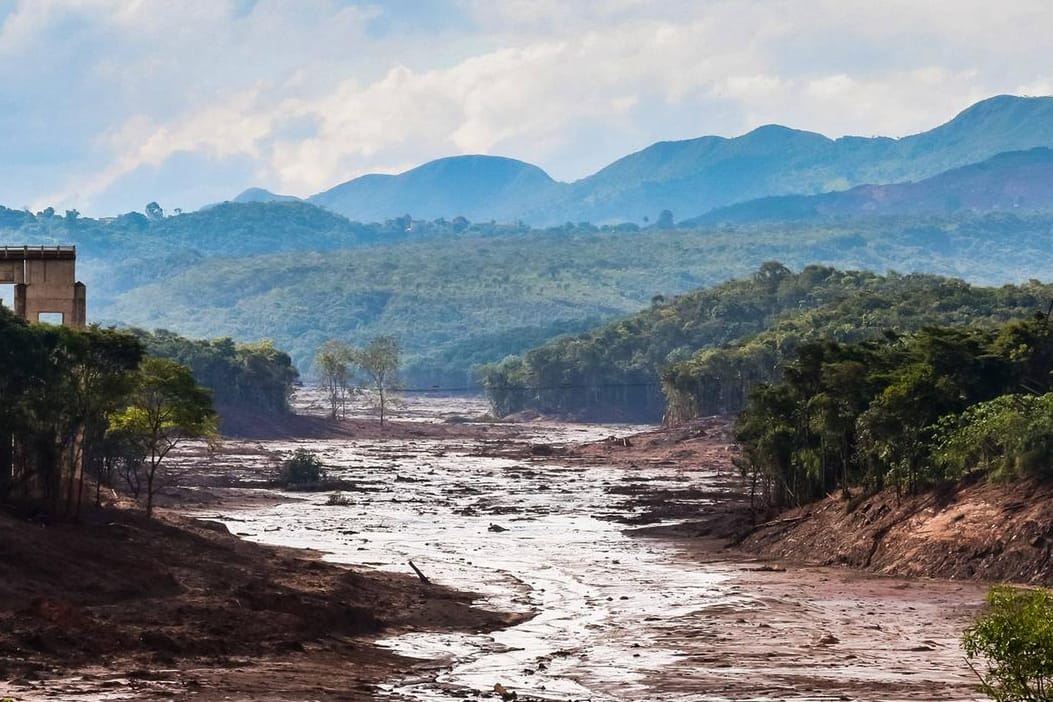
pixel 616 617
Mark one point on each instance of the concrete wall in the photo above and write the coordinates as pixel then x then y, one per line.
pixel 45 282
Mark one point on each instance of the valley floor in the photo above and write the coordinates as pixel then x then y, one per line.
pixel 124 608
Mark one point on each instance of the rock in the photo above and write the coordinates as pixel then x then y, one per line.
pixel 828 640
pixel 505 694
pixel 496 528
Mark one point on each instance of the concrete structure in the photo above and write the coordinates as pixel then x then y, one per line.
pixel 45 282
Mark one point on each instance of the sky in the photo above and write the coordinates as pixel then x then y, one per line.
pixel 106 105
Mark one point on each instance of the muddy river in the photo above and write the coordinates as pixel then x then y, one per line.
pixel 616 617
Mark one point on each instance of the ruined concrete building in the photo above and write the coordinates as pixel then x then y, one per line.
pixel 45 283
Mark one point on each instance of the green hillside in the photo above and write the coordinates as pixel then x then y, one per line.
pixel 1017 181
pixel 711 346
pixel 458 301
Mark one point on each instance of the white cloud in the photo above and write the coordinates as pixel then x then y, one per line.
pixel 314 93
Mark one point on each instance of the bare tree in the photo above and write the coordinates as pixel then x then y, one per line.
pixel 332 363
pixel 378 362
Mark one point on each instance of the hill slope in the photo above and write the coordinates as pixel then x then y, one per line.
pixel 261 195
pixel 1018 181
pixel 694 176
pixel 476 187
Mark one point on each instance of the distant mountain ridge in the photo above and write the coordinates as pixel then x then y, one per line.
pixel 261 195
pixel 476 187
pixel 694 176
pixel 1016 181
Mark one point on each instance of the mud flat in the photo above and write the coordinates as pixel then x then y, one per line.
pixel 596 554
pixel 545 521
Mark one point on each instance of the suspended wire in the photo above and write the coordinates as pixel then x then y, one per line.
pixel 529 388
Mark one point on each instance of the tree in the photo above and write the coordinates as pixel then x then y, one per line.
pixel 665 220
pixel 1015 637
pixel 154 212
pixel 167 406
pixel 302 468
pixel 332 363
pixel 378 361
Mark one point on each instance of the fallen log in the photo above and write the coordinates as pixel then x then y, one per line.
pixel 420 575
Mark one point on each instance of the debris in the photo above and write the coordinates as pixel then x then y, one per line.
pixel 419 574
pixel 505 694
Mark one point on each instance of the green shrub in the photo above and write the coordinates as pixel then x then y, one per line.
pixel 302 468
pixel 1015 637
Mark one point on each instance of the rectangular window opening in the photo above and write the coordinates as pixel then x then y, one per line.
pixel 50 318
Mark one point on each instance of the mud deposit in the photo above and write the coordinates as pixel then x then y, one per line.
pixel 615 617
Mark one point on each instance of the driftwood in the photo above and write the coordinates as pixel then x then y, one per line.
pixel 420 575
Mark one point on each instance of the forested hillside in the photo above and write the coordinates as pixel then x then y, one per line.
pixel 710 347
pixel 904 411
pixel 459 294
pixel 1018 181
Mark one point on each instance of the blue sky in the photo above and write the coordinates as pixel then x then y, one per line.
pixel 106 105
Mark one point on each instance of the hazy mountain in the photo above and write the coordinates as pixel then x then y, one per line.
pixel 476 187
pixel 1018 181
pixel 261 195
pixel 694 176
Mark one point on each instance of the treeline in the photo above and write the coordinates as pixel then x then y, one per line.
pixel 87 398
pixel 255 377
pixel 841 306
pixel 459 294
pixel 700 353
pixel 903 411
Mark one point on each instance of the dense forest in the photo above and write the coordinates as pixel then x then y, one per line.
pixel 256 377
pixel 91 398
pixel 459 294
pixel 700 353
pixel 116 402
pixel 904 411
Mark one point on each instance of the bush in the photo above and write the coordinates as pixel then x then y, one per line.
pixel 1015 637
pixel 302 468
pixel 338 499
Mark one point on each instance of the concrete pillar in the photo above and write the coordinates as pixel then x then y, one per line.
pixel 80 305
pixel 20 300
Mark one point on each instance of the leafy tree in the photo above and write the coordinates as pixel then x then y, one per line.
pixel 332 365
pixel 378 361
pixel 167 406
pixel 302 468
pixel 1015 640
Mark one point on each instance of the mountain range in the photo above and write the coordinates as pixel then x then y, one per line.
pixel 690 177
pixel 1016 181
